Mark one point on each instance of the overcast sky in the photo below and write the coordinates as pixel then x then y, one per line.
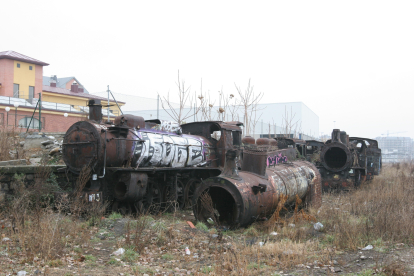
pixel 351 61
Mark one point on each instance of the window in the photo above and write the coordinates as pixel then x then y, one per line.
pixel 15 90
pixel 30 67
pixel 26 120
pixel 18 65
pixel 31 93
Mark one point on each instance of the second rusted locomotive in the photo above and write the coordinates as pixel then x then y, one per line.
pixel 346 161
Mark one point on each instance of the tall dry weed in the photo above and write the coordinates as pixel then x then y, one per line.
pixel 10 144
pixel 381 209
pixel 40 225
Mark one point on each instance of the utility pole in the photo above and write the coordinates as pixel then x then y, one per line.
pixel 40 112
pixel 108 104
pixel 158 106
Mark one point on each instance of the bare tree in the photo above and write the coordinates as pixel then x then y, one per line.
pixel 289 125
pixel 249 100
pixel 185 101
pixel 206 107
pixel 228 106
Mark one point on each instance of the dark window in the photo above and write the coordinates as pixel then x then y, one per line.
pixel 18 65
pixel 236 138
pixel 31 93
pixel 26 121
pixel 30 67
pixel 15 90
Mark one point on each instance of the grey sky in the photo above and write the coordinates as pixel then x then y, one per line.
pixel 351 62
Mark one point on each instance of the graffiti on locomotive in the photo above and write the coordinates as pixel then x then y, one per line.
pixel 276 159
pixel 162 146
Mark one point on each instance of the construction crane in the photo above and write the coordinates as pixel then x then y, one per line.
pixel 388 133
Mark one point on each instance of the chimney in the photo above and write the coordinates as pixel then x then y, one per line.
pixel 80 89
pixel 53 80
pixel 74 87
pixel 95 110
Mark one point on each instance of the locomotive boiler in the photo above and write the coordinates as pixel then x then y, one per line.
pixel 347 161
pixel 240 197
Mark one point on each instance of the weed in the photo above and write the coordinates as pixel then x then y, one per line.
pixel 139 270
pixel 90 258
pixel 115 216
pixel 55 263
pixel 114 261
pixel 130 256
pixel 251 231
pixel 201 226
pixel 167 257
pixel 207 269
pixel 255 266
pixel 159 226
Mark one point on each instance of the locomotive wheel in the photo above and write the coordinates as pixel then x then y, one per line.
pixel 152 200
pixel 168 197
pixel 189 190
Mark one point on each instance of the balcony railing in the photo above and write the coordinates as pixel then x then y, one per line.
pixel 54 106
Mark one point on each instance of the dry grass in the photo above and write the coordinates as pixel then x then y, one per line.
pixel 10 144
pixel 378 213
pixel 381 209
pixel 41 227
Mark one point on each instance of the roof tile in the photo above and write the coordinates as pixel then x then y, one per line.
pixel 67 92
pixel 17 56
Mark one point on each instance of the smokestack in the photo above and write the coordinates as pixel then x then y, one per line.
pixel 95 110
pixel 230 166
pixel 53 80
pixel 336 135
pixel 74 87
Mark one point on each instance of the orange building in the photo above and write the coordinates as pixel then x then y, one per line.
pixel 22 84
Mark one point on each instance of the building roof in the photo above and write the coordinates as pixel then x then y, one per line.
pixel 61 82
pixel 16 56
pixel 64 91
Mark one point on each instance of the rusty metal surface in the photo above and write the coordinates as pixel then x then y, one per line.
pixel 95 110
pixel 346 161
pixel 254 162
pixel 240 201
pixel 82 146
pixel 222 135
pixel 130 121
pixel 336 157
pixel 248 140
pixel 262 141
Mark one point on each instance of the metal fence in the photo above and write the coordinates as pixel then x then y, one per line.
pixel 54 106
pixel 21 121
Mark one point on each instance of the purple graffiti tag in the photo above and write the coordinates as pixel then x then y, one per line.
pixel 276 159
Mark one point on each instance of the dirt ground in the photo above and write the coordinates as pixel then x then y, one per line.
pixel 167 236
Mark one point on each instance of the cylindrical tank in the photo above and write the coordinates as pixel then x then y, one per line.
pixel 128 143
pixel 240 199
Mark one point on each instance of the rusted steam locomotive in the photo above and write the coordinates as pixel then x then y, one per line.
pixel 143 166
pixel 347 161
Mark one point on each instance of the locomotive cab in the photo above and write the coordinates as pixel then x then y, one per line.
pixel 223 136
